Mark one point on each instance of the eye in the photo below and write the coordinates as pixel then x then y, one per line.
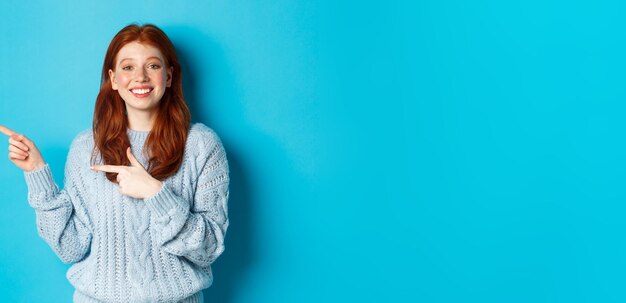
pixel 154 66
pixel 127 67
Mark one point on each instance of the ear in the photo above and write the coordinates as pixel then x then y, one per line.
pixel 170 71
pixel 113 81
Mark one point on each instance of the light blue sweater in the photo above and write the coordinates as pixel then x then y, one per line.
pixel 158 249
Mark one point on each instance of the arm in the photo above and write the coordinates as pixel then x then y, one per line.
pixel 60 214
pixel 196 229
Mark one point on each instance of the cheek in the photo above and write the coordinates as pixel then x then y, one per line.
pixel 160 77
pixel 123 79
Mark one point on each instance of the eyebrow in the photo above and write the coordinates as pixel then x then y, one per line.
pixel 153 57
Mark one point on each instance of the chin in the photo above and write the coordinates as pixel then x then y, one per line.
pixel 142 106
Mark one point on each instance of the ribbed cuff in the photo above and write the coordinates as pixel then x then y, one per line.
pixel 40 180
pixel 165 202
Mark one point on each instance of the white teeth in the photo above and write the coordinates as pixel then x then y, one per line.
pixel 140 91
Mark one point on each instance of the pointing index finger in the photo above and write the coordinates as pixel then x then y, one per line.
pixel 5 130
pixel 107 168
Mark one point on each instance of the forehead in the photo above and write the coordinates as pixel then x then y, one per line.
pixel 138 51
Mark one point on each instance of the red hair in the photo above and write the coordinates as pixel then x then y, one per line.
pixel 165 144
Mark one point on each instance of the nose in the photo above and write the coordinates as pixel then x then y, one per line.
pixel 142 75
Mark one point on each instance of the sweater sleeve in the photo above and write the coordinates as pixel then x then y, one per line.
pixel 196 229
pixel 61 220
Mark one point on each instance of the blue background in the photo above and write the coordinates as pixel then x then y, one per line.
pixel 396 151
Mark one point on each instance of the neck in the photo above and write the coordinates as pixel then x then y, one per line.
pixel 141 120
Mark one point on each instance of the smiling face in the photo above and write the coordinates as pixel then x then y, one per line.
pixel 140 76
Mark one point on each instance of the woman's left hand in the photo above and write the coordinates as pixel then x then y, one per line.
pixel 134 180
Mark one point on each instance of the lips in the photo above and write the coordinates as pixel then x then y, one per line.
pixel 141 92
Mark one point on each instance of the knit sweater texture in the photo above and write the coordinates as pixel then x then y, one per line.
pixel 123 249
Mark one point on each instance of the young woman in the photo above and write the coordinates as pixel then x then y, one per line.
pixel 143 212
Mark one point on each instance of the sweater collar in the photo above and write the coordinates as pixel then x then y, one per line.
pixel 136 136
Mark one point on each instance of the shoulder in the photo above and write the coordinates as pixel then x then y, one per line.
pixel 203 140
pixel 201 136
pixel 84 139
pixel 82 145
pixel 81 148
pixel 199 130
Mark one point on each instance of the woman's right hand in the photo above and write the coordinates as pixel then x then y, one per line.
pixel 23 152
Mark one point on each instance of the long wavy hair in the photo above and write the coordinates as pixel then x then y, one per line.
pixel 165 144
